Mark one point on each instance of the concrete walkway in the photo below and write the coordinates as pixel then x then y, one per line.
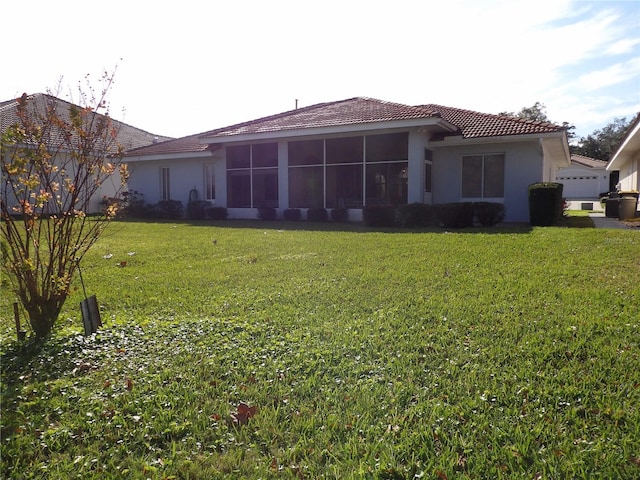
pixel 600 221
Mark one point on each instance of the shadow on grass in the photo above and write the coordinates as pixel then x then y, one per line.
pixel 31 362
pixel 331 226
pixel 577 222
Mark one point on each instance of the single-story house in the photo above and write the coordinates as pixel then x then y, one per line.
pixel 626 159
pixel 127 136
pixel 355 153
pixel 584 180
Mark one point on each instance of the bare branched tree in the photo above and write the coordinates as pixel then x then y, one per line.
pixel 55 159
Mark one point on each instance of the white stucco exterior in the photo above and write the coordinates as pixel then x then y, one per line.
pixel 523 166
pixel 525 163
pixel 626 159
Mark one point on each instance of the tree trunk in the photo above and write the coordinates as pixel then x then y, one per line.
pixel 43 315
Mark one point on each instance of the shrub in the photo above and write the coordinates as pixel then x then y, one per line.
pixel 455 215
pixel 267 213
pixel 134 206
pixel 545 203
pixel 489 214
pixel 379 216
pixel 129 204
pixel 109 203
pixel 217 213
pixel 291 214
pixel 317 215
pixel 415 215
pixel 169 209
pixel 340 215
pixel 197 209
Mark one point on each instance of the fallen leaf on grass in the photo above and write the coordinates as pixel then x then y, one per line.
pixel 441 475
pixel 244 413
pixel 635 461
pixel 129 384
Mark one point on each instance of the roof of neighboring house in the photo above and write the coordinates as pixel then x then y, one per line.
pixel 127 136
pixel 629 145
pixel 588 161
pixel 190 144
pixel 358 111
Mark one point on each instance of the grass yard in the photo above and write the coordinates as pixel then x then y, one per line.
pixel 263 350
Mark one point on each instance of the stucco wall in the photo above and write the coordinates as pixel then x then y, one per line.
pixel 630 174
pixel 109 188
pixel 184 175
pixel 523 166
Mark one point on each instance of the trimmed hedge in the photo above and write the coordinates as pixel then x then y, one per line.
pixel 455 215
pixel 197 209
pixel 340 215
pixel 489 214
pixel 317 215
pixel 379 216
pixel 267 213
pixel 217 213
pixel 291 214
pixel 545 203
pixel 168 210
pixel 416 215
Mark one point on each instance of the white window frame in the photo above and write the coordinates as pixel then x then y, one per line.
pixel 209 182
pixel 482 197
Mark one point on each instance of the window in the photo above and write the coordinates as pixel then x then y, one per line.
pixel 387 184
pixel 265 187
pixel 165 184
pixel 209 182
pixel 428 164
pixel 391 147
pixel 483 176
pixel 252 175
pixel 306 174
pixel 386 174
pixel 343 172
pixel 306 187
pixel 239 188
pixel 306 152
pixel 344 186
pixel 344 150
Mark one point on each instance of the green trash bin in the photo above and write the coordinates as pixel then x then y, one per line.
pixel 627 207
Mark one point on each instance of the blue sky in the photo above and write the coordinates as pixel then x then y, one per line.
pixel 190 66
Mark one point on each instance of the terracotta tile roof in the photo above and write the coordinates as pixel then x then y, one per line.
pixel 475 124
pixel 129 137
pixel 352 111
pixel 588 161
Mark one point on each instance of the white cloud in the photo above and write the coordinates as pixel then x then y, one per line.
pixel 606 77
pixel 193 66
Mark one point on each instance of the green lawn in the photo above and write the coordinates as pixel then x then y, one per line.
pixel 501 353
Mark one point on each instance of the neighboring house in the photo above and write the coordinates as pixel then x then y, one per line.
pixel 127 136
pixel 584 180
pixel 626 159
pixel 355 153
